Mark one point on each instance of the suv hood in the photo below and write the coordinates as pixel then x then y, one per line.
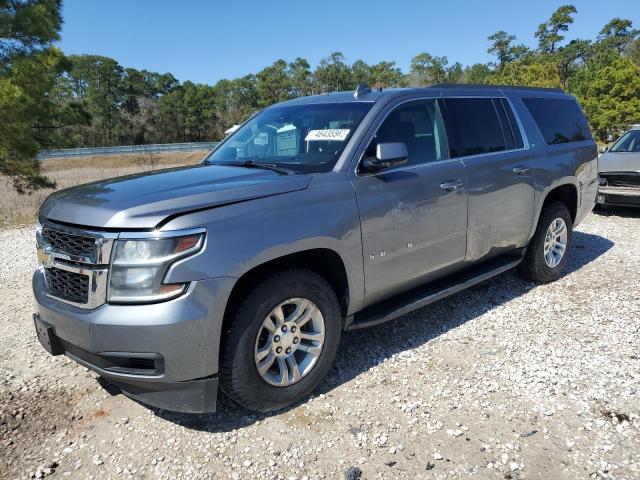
pixel 142 201
pixel 619 162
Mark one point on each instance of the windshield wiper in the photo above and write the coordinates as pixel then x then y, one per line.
pixel 251 163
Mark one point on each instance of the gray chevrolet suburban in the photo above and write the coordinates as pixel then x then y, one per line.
pixel 317 216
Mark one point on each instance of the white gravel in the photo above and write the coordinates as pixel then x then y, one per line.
pixel 505 380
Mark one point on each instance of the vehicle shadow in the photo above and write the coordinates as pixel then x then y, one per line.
pixel 362 350
pixel 611 211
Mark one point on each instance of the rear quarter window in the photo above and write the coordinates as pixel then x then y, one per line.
pixel 559 120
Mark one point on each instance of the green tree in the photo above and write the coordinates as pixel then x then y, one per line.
pixel 235 101
pixel 618 34
pixel 159 83
pixel 28 70
pixel 171 116
pixel 571 58
pixel 300 77
pixel 477 73
pixel 427 70
pixel 332 74
pixel 501 47
pixel 100 80
pixel 361 73
pixel 531 74
pixel 273 84
pixel 549 34
pixel 199 112
pixel 27 26
pixel 455 73
pixel 633 52
pixel 385 74
pixel 610 95
pixel 133 85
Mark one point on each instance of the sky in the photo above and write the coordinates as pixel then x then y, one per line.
pixel 207 40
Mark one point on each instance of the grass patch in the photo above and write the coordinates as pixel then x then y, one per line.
pixel 16 209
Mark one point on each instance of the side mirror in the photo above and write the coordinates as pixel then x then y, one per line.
pixel 603 149
pixel 387 155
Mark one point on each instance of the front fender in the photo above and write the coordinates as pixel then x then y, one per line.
pixel 245 235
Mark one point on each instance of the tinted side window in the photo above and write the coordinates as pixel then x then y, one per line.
pixel 417 125
pixel 559 120
pixel 474 127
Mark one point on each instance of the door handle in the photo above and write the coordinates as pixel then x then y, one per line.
pixel 451 185
pixel 520 170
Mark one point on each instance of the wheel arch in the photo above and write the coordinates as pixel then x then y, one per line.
pixel 567 193
pixel 324 261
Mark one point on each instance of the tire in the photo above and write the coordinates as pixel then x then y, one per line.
pixel 535 267
pixel 239 375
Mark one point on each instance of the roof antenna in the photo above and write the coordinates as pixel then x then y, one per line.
pixel 361 89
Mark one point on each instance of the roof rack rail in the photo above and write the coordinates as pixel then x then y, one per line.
pixel 361 89
pixel 500 87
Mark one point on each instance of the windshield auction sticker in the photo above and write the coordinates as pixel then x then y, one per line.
pixel 335 134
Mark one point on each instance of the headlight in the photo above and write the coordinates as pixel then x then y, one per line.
pixel 138 267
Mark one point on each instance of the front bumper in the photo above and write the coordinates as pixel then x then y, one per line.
pixel 163 354
pixel 619 196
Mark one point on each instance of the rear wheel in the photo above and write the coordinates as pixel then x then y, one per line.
pixel 281 341
pixel 549 249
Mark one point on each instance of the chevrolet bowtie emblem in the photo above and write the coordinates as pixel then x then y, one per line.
pixel 43 258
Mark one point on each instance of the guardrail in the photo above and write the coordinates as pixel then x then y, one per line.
pixel 124 149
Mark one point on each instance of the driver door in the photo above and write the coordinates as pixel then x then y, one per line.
pixel 413 216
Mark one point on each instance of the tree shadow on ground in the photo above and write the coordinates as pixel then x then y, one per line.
pixel 362 350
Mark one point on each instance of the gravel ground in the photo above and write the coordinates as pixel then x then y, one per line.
pixel 506 380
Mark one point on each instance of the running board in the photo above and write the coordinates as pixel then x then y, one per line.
pixel 432 292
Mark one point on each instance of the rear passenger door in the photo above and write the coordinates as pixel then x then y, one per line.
pixel 413 216
pixel 485 135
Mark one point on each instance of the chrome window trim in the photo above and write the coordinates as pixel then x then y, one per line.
pixel 525 138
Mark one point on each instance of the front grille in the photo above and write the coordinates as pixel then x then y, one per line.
pixel 76 245
pixel 621 180
pixel 70 286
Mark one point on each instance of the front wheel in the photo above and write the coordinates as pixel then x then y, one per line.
pixel 281 342
pixel 549 249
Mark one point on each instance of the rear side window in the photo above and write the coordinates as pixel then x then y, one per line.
pixel 474 127
pixel 559 120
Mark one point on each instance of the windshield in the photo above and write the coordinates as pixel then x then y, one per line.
pixel 301 138
pixel 629 142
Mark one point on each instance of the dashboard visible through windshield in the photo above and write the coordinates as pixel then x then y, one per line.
pixel 299 138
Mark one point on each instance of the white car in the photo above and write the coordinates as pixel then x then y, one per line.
pixel 619 169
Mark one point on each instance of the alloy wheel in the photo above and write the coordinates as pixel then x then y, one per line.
pixel 289 342
pixel 555 242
